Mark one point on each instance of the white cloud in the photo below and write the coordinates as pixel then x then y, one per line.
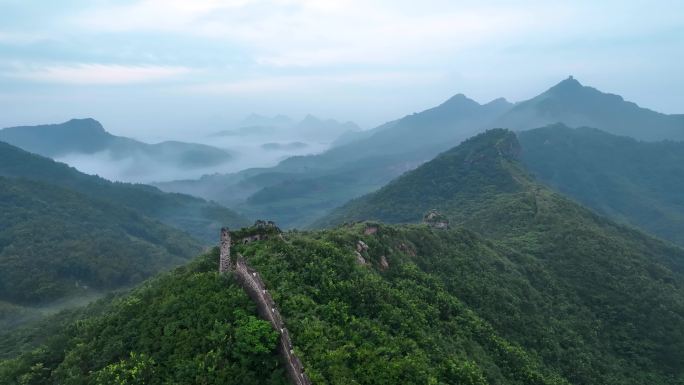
pixel 296 84
pixel 297 33
pixel 100 74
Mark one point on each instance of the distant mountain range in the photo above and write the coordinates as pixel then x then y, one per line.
pixel 575 105
pixel 302 188
pixel 282 127
pixel 87 138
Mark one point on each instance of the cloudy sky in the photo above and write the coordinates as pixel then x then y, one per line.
pixel 156 68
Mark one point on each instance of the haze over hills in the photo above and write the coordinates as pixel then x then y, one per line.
pixel 302 188
pixel 280 127
pixel 197 217
pixel 85 144
pixel 575 105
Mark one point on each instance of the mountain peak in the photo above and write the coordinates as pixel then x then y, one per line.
pixel 85 123
pixel 568 85
pixel 311 119
pixel 460 100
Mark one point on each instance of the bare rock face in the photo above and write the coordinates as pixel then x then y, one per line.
pixel 407 249
pixel 384 265
pixel 361 246
pixel 360 259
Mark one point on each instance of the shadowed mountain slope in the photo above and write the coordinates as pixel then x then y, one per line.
pixel 57 245
pixel 639 183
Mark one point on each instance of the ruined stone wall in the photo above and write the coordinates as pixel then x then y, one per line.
pixel 224 246
pixel 256 289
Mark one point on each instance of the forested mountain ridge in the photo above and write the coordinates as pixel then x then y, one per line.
pixel 57 245
pixel 635 182
pixel 629 282
pixel 382 304
pixel 196 216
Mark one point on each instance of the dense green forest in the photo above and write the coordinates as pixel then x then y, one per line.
pixel 626 283
pixel 639 183
pixel 189 326
pixel 526 287
pixel 197 217
pixel 424 307
pixel 56 244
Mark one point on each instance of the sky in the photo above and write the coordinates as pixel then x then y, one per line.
pixel 157 69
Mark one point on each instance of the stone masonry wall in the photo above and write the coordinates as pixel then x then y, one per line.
pixel 224 246
pixel 256 289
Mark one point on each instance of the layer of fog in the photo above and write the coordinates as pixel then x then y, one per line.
pixel 144 169
pixel 254 142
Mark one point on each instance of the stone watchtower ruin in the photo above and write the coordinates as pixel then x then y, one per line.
pixel 251 282
pixel 224 260
pixel 436 220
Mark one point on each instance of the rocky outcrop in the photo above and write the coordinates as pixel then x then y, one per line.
pixel 384 265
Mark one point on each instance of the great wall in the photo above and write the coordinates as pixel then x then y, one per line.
pixel 254 286
pixel 250 279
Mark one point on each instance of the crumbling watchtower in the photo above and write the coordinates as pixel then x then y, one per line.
pixel 224 260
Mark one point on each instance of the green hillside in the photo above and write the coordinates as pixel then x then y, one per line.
pixel 639 183
pixel 186 327
pixel 625 283
pixel 197 217
pixel 425 307
pixel 352 324
pixel 56 245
